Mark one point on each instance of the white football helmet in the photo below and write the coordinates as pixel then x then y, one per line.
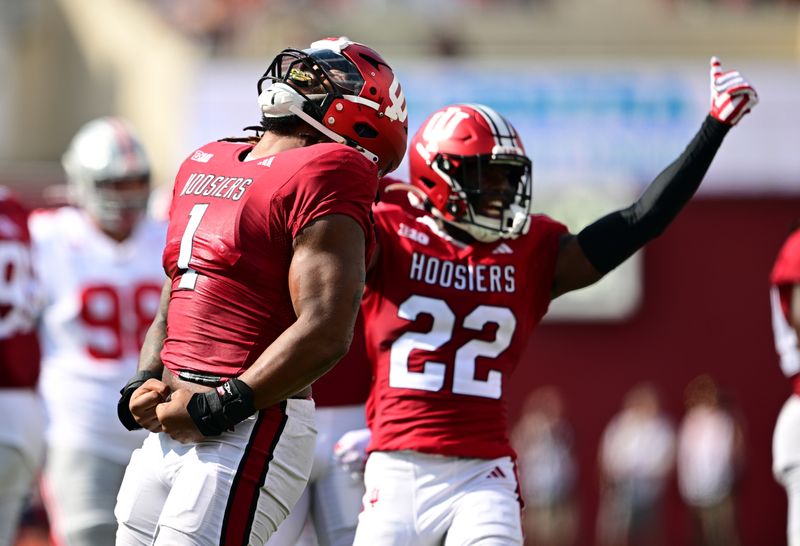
pixel 108 173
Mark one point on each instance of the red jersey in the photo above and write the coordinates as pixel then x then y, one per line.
pixel 446 325
pixel 19 345
pixel 229 245
pixel 786 270
pixel 347 383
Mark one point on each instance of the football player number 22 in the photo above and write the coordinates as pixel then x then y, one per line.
pixel 189 277
pixel 431 378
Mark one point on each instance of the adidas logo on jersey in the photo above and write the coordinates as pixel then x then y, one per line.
pixel 496 473
pixel 503 248
pixel 413 234
pixel 201 157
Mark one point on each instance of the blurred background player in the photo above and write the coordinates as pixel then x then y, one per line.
pixel 266 249
pixel 636 458
pixel 709 462
pixel 21 434
pixel 451 298
pixel 785 302
pixel 543 440
pixel 100 268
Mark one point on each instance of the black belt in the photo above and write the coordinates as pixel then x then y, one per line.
pixel 209 380
pixel 201 378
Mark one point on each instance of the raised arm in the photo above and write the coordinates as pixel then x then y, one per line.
pixel 600 247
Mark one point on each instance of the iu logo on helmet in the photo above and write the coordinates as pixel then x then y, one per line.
pixel 398 110
pixel 440 127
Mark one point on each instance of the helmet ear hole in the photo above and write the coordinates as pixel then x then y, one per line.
pixel 376 64
pixel 365 131
pixel 428 182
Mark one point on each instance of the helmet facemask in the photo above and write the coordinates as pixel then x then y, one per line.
pixel 490 195
pixel 313 76
pixel 117 205
pixel 108 173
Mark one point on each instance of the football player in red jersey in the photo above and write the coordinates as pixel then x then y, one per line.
pixel 22 433
pixel 452 296
pixel 785 301
pixel 265 258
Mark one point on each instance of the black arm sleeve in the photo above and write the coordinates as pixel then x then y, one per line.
pixel 614 238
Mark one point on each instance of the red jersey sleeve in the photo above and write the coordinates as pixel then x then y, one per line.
pixel 341 181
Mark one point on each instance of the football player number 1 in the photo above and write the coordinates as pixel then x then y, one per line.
pixel 189 277
pixel 431 378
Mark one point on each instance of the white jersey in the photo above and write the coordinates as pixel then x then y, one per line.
pixel 100 298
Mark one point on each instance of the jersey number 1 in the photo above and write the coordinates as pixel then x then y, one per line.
pixel 189 276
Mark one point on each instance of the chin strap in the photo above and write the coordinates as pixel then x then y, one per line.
pixel 336 137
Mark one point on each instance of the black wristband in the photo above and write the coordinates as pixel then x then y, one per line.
pixel 123 406
pixel 216 411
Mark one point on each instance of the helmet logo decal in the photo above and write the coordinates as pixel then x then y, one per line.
pixel 441 126
pixel 398 110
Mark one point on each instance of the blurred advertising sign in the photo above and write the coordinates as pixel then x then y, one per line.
pixel 597 131
pixel 581 120
pixel 589 121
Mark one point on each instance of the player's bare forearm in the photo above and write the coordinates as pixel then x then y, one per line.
pixel 150 354
pixel 326 281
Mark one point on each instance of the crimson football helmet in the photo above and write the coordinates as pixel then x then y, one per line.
pixel 108 173
pixel 346 91
pixel 469 162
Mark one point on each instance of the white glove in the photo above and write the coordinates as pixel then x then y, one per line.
pixel 732 96
pixel 350 452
